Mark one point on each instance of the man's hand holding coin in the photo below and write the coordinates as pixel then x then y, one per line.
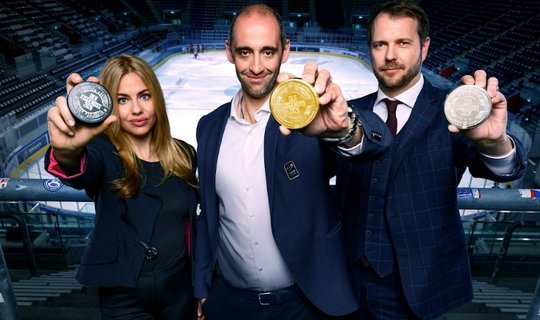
pixel 490 133
pixel 332 119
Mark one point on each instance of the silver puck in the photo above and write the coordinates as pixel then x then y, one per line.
pixel 467 106
pixel 89 103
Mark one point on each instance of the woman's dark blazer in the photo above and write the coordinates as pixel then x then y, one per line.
pixel 112 257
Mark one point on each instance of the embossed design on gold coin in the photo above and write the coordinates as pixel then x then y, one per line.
pixel 467 106
pixel 294 103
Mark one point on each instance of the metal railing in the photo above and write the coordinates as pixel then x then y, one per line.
pixel 498 202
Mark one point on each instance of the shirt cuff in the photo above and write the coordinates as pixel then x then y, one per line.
pixel 501 165
pixel 55 168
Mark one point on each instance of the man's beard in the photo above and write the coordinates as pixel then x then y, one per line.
pixel 264 91
pixel 401 82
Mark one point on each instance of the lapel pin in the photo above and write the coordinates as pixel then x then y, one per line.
pixel 291 171
pixel 376 135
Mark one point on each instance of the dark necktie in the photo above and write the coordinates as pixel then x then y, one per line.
pixel 391 105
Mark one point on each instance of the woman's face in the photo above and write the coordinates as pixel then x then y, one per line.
pixel 135 107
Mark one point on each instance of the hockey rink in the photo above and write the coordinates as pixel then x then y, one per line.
pixel 194 87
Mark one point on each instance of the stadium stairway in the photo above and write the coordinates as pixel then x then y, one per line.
pixel 54 295
pixel 57 295
pixel 510 299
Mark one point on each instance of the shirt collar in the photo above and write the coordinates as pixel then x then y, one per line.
pixel 408 97
pixel 236 100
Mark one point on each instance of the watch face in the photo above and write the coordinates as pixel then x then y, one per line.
pixel 294 103
pixel 89 103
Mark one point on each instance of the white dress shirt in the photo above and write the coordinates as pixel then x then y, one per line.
pixel 248 256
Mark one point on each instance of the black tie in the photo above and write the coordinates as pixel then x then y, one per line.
pixel 391 105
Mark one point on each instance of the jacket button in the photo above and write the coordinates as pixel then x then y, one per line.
pixel 368 232
pixel 371 198
pixel 374 180
pixel 370 216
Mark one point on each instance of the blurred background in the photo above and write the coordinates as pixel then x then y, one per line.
pixel 44 225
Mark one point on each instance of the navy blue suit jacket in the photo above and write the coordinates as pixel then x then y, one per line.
pixel 420 204
pixel 305 222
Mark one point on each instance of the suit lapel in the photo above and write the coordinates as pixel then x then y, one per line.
pixel 209 152
pixel 271 137
pixel 212 145
pixel 422 117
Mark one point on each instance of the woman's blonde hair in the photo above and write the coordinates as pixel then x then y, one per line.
pixel 176 158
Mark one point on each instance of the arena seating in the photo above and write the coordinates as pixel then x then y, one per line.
pixel 501 37
pixel 59 37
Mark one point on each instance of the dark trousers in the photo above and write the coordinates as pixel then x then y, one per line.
pixel 381 298
pixel 226 302
pixel 164 294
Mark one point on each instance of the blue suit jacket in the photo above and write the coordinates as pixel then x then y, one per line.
pixel 305 222
pixel 420 203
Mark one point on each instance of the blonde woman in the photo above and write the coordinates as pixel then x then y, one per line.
pixel 144 187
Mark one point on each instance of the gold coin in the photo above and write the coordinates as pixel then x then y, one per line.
pixel 294 103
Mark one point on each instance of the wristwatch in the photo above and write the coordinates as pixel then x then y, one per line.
pixel 355 122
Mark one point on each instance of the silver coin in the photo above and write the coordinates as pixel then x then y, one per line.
pixel 89 103
pixel 467 106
